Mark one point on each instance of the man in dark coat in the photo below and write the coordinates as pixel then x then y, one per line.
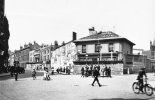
pixel 82 72
pixel 16 69
pixel 16 72
pixel 109 72
pixel 96 74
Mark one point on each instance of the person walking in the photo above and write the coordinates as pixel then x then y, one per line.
pixel 82 72
pixel 96 74
pixel 34 74
pixel 16 70
pixel 109 72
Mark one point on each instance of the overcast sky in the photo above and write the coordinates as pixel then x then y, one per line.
pixel 45 21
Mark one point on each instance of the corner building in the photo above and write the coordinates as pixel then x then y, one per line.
pixel 102 49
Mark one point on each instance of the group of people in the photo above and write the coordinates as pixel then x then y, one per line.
pixel 46 75
pixel 15 70
pixel 64 70
pixel 106 72
pixel 88 71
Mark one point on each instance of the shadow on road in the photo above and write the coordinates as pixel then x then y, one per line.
pixel 123 99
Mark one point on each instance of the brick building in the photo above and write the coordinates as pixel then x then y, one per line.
pixel 22 55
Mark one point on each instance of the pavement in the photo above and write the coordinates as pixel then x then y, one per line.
pixel 72 87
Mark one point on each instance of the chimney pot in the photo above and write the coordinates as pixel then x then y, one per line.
pixel 74 36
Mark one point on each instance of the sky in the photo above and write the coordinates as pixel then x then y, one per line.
pixel 45 21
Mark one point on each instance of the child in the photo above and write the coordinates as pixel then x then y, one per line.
pixel 34 74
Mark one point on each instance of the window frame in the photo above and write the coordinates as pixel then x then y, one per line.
pixel 111 47
pixel 97 47
pixel 83 48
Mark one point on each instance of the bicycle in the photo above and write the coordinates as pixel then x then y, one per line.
pixel 147 88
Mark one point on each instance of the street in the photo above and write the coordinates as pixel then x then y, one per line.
pixel 71 87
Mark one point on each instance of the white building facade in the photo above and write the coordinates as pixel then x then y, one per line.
pixel 64 56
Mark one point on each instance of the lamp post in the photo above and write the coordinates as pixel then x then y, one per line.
pixel 86 58
pixel 99 56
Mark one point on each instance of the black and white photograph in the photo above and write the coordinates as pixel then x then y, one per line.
pixel 77 49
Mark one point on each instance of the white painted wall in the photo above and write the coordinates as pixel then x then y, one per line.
pixel 104 48
pixel 116 47
pixel 79 48
pixel 90 48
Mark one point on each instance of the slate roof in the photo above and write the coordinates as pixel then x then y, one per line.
pixel 102 36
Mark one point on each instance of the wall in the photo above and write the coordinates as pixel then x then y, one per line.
pixel 90 48
pixel 116 69
pixel 126 48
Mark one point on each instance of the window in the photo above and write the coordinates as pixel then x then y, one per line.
pixel 111 47
pixel 97 47
pixel 83 48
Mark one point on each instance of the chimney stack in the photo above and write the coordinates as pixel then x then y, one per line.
pixel 74 36
pixel 92 31
pixel 21 47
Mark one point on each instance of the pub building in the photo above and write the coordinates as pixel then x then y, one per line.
pixel 103 49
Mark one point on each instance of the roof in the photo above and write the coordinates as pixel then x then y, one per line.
pixel 64 44
pixel 102 36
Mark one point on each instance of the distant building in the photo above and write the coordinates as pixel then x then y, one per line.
pixel 152 49
pixel 11 59
pixel 138 51
pixel 45 56
pixel 22 55
pixel 151 56
pixel 35 59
